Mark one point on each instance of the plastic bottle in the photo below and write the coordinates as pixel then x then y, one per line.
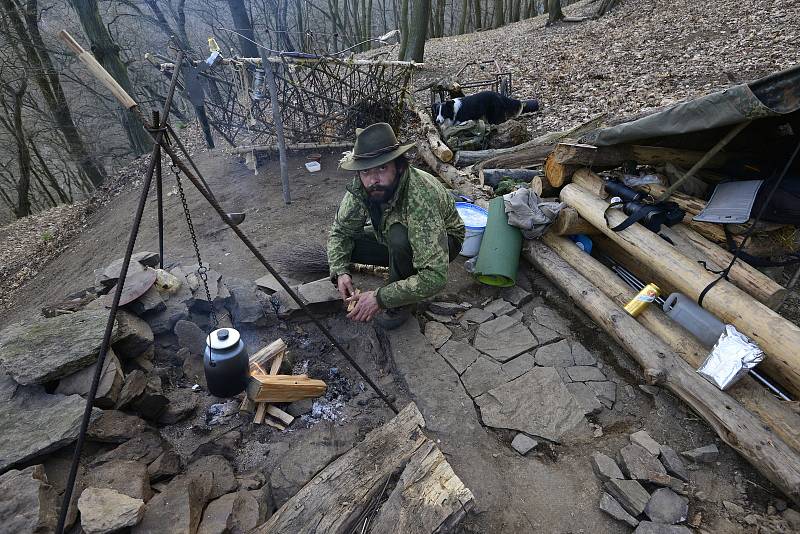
pixel 693 318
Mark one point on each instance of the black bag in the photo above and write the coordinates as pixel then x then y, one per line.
pixel 784 208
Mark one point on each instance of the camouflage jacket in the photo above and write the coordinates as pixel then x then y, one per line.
pixel 426 209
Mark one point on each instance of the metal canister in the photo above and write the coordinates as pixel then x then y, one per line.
pixel 647 295
pixel 226 363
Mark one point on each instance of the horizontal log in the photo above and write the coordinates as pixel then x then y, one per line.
pixel 614 156
pixel 569 222
pixel 778 337
pixel 293 146
pixel 283 388
pixel 736 426
pixel 777 415
pixel 493 177
pixel 557 174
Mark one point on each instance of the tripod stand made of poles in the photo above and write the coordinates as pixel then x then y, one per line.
pixel 158 129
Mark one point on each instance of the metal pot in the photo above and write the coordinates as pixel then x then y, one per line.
pixel 226 363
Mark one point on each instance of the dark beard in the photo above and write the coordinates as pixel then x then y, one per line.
pixel 386 193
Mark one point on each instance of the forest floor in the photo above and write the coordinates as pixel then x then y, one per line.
pixel 642 55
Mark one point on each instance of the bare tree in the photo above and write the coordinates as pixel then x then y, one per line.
pixel 554 11
pixel 107 52
pixel 418 30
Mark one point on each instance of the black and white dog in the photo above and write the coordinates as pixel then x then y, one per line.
pixel 488 105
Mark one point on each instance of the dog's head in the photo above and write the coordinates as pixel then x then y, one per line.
pixel 443 111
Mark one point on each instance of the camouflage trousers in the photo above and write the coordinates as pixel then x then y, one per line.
pixel 398 256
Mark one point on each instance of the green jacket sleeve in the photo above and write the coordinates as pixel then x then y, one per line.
pixel 348 223
pixel 428 239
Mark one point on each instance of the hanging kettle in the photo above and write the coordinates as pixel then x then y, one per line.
pixel 226 363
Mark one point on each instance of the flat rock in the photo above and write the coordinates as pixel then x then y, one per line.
pixel 519 365
pixel 542 333
pixel 125 476
pixel 301 407
pixel 581 355
pixel 108 389
pixel 499 307
pixel 606 392
pixel 152 403
pixel 585 397
pixel 585 373
pixel 704 455
pixel 605 468
pixel 145 447
pixel 190 336
pixel 482 376
pixel 537 403
pixel 643 439
pixel 503 338
pixel 150 302
pixel 447 308
pixel 523 444
pixel 178 509
pixel 551 319
pixel 637 463
pixel 105 510
pixel 610 506
pixel 199 303
pixel 648 527
pixel 665 506
pixel 516 295
pixel 476 315
pixel 194 371
pixel 247 306
pixel 42 350
pixel 164 321
pixel 629 493
pixel 459 355
pixel 182 403
pixel 135 336
pixel 673 463
pixel 556 354
pixel 437 333
pixel 114 426
pixel 220 471
pixel 167 464
pixel 319 292
pixel 34 423
pixel 269 284
pixel 29 503
pixel 234 512
pixel 134 385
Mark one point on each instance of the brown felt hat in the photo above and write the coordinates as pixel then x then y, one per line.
pixel 375 145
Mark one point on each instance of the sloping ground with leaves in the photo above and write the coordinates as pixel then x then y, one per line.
pixel 643 54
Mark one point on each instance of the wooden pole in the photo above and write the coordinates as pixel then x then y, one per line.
pixel 776 414
pixel 437 146
pixel 778 337
pixel 737 427
pixel 278 120
pixel 569 222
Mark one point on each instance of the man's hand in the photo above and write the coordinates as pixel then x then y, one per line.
pixel 345 285
pixel 367 307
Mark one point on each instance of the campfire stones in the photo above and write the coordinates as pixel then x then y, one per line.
pixel 125 476
pixel 135 336
pixel 106 510
pixel 644 440
pixel 114 426
pixel 665 506
pixel 29 503
pixel 190 336
pixel 108 389
pixel 629 493
pixel 673 464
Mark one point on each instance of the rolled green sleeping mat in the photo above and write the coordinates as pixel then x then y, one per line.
pixel 498 257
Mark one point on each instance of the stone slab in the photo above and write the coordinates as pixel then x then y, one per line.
pixel 105 510
pixel 519 365
pixel 516 295
pixel 482 376
pixel 499 307
pixel 476 315
pixel 459 355
pixel 605 468
pixel 551 319
pixel 606 392
pixel 585 373
pixel 125 476
pixel 111 381
pixel 706 454
pixel 523 444
pixel 585 398
pixel 609 505
pixel 629 493
pixel 581 355
pixel 42 350
pixel 135 336
pixel 34 423
pixel 556 354
pixel 503 338
pixel 644 440
pixel 537 403
pixel 437 333
pixel 638 464
pixel 29 503
pixel 447 308
pixel 673 463
pixel 269 283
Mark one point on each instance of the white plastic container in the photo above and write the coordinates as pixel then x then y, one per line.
pixel 474 218
pixel 699 322
pixel 313 166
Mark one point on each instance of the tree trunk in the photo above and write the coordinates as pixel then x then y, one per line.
pixel 25 26
pixel 23 206
pixel 499 15
pixel 403 52
pixel 241 21
pixel 462 25
pixel 477 14
pixel 107 53
pixel 419 30
pixel 554 11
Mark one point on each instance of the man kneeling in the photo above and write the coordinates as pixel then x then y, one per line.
pixel 415 231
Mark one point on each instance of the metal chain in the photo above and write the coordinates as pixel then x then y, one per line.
pixel 202 270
